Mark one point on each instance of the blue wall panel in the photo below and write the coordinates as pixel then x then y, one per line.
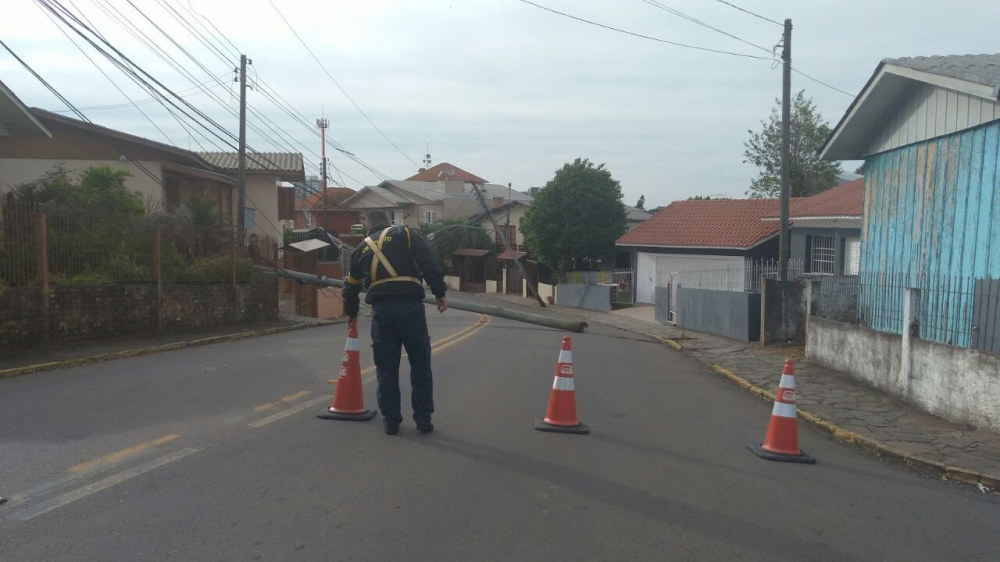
pixel 931 221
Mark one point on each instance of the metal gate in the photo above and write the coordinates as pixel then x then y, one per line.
pixel 623 293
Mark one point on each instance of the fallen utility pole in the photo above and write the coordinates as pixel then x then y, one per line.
pixel 506 243
pixel 500 312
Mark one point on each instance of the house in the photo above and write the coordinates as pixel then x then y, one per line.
pixel 825 230
pixel 309 211
pixel 264 173
pixel 445 172
pixel 508 216
pixel 161 174
pixel 928 130
pixel 16 120
pixel 416 202
pixel 714 234
pixel 634 217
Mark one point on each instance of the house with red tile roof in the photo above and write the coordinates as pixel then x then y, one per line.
pixel 825 230
pixel 309 211
pixel 722 234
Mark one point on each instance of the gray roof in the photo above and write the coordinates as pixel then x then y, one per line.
pixel 430 190
pixel 15 118
pixel 978 69
pixel 282 163
pixel 636 214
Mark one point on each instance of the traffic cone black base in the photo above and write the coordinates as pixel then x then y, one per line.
pixel 363 416
pixel 802 457
pixel 581 429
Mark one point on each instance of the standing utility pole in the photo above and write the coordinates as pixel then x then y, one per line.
pixel 241 202
pixel 786 102
pixel 323 124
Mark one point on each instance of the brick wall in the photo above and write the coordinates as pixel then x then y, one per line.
pixel 83 313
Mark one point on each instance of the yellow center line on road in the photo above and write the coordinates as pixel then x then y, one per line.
pixel 119 455
pixel 68 497
pixel 481 323
pixel 283 400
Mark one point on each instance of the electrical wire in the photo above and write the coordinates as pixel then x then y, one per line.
pixel 682 15
pixel 105 74
pixel 334 80
pixel 749 12
pixel 658 40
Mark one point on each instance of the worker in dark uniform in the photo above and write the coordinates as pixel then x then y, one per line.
pixel 391 265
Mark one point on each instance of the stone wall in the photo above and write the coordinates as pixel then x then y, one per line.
pixel 85 313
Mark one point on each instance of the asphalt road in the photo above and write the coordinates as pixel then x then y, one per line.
pixel 215 453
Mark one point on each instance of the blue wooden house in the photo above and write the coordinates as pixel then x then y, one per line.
pixel 928 130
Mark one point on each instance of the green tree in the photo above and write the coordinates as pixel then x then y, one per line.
pixel 641 203
pixel 808 131
pixel 700 198
pixel 576 218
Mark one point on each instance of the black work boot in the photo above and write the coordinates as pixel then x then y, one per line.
pixel 425 427
pixel 391 428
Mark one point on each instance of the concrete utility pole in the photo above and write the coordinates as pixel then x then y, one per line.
pixel 506 243
pixel 786 102
pixel 323 124
pixel 241 199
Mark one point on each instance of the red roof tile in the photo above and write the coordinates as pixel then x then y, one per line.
pixel 720 223
pixel 334 195
pixel 845 200
pixel 445 171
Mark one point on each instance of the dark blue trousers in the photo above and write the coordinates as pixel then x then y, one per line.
pixel 400 323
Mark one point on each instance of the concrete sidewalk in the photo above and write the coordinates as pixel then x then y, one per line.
pixel 57 357
pixel 850 410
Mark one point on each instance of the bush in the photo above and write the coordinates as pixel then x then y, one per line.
pixel 218 270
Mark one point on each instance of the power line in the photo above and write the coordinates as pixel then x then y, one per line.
pixel 262 88
pixel 641 36
pixel 749 12
pixel 105 74
pixel 822 83
pixel 695 21
pixel 330 76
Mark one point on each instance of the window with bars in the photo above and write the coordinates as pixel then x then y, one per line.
pixel 430 217
pixel 823 255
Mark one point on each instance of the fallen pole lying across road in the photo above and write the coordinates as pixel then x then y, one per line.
pixel 499 312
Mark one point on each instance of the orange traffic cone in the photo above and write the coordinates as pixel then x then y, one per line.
pixel 781 443
pixel 348 398
pixel 561 415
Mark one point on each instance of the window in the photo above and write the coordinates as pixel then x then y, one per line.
pixel 853 262
pixel 511 232
pixel 823 254
pixel 430 217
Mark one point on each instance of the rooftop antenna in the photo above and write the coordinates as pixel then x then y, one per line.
pixel 427 157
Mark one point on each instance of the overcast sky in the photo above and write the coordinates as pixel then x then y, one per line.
pixel 500 88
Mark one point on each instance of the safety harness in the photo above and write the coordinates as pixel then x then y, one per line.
pixel 379 258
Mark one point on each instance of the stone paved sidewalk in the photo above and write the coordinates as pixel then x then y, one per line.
pixel 851 410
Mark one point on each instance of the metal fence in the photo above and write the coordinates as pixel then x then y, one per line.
pixel 959 311
pixel 623 292
pixel 45 244
pixel 745 277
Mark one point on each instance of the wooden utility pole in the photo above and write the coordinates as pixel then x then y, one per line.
pixel 786 102
pixel 503 238
pixel 242 186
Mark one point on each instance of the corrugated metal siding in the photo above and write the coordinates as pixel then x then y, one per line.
pixel 932 215
pixel 929 112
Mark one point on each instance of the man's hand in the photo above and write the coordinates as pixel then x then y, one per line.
pixel 352 323
pixel 442 304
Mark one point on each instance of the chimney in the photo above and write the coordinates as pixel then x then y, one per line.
pixel 421 170
pixel 497 202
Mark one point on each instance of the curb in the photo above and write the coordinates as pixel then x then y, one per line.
pixel 29 369
pixel 945 471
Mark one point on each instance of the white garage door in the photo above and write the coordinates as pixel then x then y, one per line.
pixel 655 269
